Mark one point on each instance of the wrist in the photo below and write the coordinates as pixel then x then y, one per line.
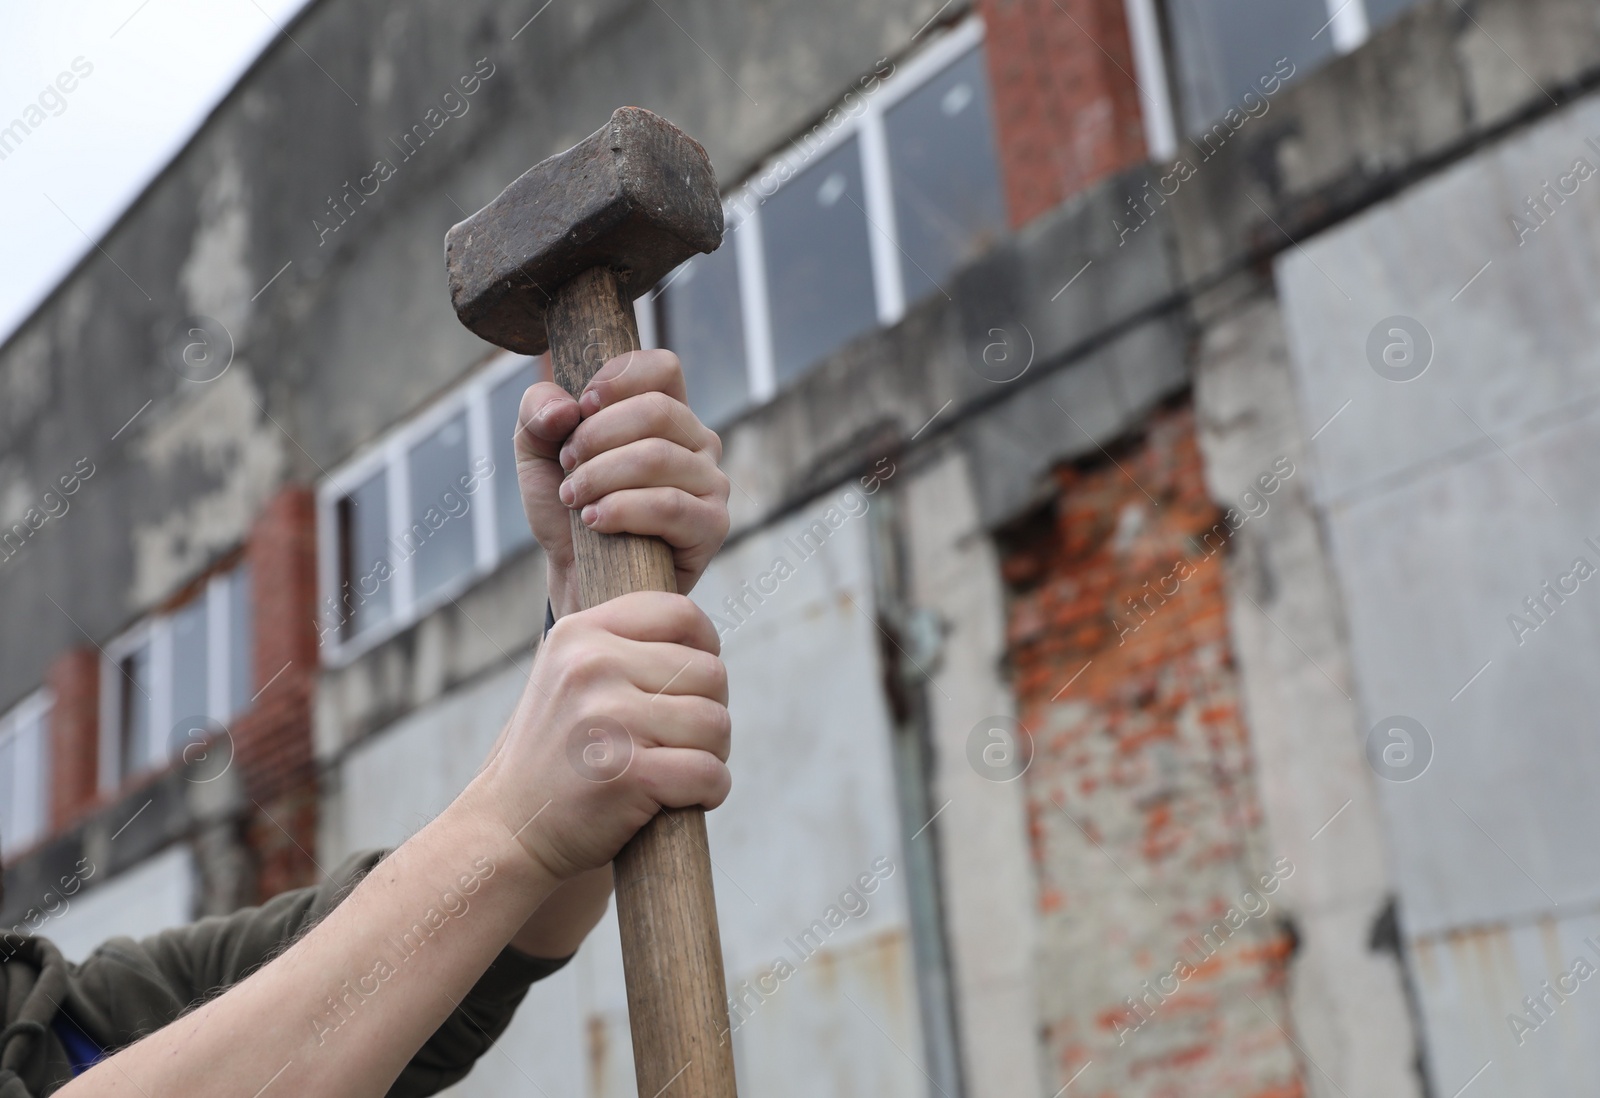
pixel 479 819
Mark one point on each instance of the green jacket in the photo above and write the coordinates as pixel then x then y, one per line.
pixel 127 989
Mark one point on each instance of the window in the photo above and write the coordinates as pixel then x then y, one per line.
pixel 874 207
pixel 512 531
pixel 364 538
pixel 946 174
pixel 439 541
pixel 1228 51
pixel 174 673
pixel 819 261
pixel 25 773
pixel 700 320
pixel 425 512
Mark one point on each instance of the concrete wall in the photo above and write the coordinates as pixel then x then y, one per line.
pixel 1285 610
pixel 1449 499
pixel 813 808
pixel 157 894
pixel 179 485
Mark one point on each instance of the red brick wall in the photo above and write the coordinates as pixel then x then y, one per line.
pixel 74 681
pixel 1066 105
pixel 272 739
pixel 1144 822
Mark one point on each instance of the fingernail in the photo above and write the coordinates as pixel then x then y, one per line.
pixel 567 492
pixel 568 458
pixel 589 514
pixel 589 402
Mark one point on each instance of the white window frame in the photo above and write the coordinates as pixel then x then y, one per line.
pixel 25 811
pixel 156 630
pixel 742 206
pixel 388 454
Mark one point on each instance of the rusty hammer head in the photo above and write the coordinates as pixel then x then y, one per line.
pixel 638 196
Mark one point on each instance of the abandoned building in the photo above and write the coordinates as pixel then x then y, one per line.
pixel 1161 540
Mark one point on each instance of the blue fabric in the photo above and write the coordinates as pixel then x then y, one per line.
pixel 82 1053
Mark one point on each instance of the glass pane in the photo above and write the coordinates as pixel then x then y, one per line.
pixel 364 590
pixel 241 641
pixel 10 817
pixel 136 686
pixel 701 321
pixel 33 774
pixel 819 268
pixel 1380 12
pixel 945 172
pixel 189 651
pixel 505 400
pixel 1234 53
pixel 440 535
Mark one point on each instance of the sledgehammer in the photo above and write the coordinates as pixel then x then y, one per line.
pixel 555 261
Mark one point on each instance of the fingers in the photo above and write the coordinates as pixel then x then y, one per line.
pixel 646 415
pixel 649 616
pixel 674 670
pixel 646 463
pixel 545 418
pixel 681 520
pixel 679 777
pixel 668 721
pixel 629 375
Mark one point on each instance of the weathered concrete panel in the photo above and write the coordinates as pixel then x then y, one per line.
pixel 991 895
pixel 1451 501
pixel 1520 342
pixel 1317 793
pixel 1475 986
pixel 156 894
pixel 813 809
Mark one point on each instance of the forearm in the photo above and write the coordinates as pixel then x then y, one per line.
pixel 347 1006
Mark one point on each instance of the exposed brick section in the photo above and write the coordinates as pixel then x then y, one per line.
pixel 1142 811
pixel 74 681
pixel 272 739
pixel 1066 107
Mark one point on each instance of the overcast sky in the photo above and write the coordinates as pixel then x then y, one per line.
pixel 155 69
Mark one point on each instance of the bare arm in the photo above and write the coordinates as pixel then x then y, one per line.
pixel 344 1009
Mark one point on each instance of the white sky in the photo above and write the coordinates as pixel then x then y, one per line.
pixel 159 66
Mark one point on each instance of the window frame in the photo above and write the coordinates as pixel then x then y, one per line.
pixel 388 454
pixel 742 205
pixel 17 833
pixel 156 631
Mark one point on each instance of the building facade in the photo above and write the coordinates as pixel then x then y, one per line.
pixel 1158 431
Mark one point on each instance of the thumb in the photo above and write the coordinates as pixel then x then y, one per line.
pixel 547 415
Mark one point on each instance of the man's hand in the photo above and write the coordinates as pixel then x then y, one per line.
pixel 625 713
pixel 629 456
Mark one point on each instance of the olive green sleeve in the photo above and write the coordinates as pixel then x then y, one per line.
pixel 127 988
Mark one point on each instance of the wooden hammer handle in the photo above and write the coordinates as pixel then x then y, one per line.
pixel 671 951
